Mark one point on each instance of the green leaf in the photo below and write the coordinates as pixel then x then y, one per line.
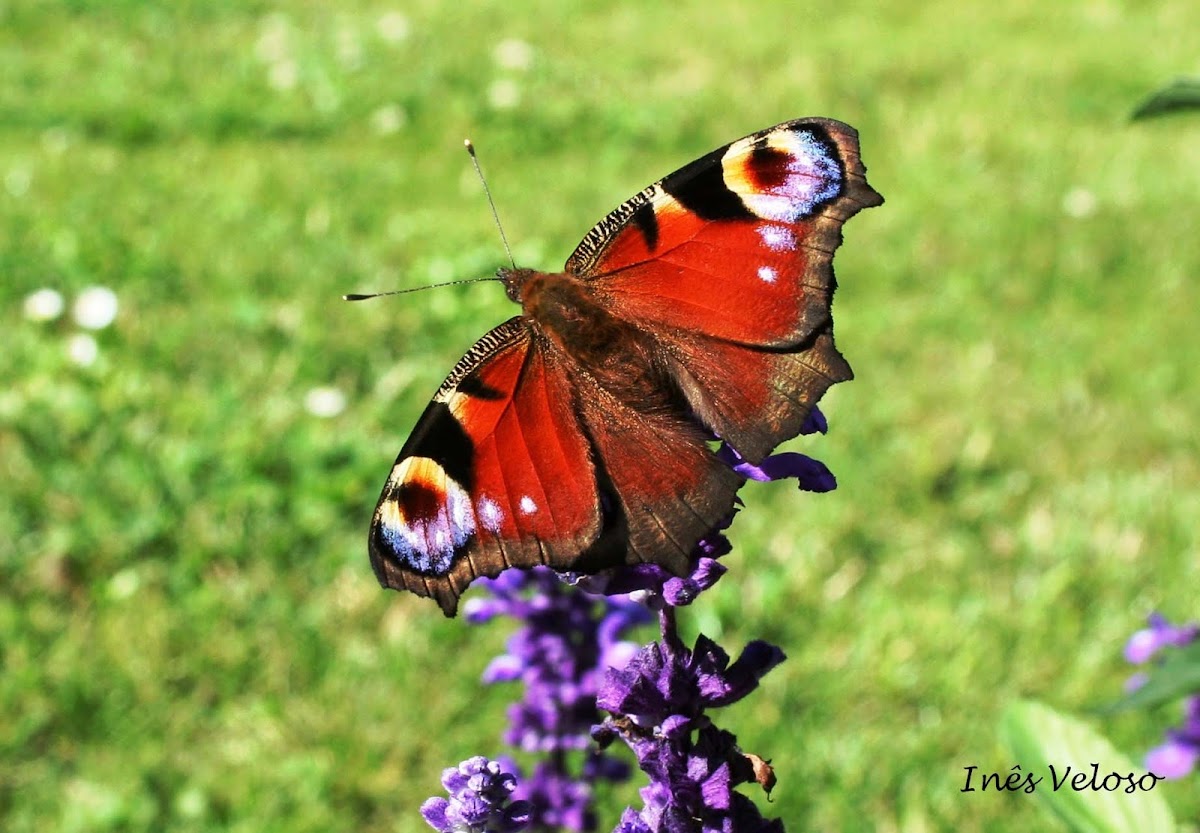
pixel 1180 94
pixel 1178 675
pixel 1040 738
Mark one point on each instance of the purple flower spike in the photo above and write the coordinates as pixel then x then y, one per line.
pixel 658 703
pixel 1180 755
pixel 665 680
pixel 479 800
pixel 567 640
pixel 1144 644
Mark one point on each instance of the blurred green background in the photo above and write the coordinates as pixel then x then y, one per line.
pixel 190 634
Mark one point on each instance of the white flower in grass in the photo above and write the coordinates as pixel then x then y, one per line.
pixel 349 48
pixel 1079 203
pixel 124 584
pixel 82 349
pixel 44 305
pixel 274 42
pixel 56 140
pixel 95 308
pixel 316 221
pixel 18 179
pixel 504 94
pixel 325 402
pixel 283 75
pixel 388 119
pixel 514 54
pixel 392 27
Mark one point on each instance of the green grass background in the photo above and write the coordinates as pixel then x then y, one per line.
pixel 190 634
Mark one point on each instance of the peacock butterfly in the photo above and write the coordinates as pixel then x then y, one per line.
pixel 579 433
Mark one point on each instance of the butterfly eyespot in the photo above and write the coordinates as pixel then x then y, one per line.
pixel 782 176
pixel 426 518
pixel 528 505
pixel 767 274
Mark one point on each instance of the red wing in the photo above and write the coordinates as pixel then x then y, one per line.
pixel 497 473
pixel 727 265
pixel 738 245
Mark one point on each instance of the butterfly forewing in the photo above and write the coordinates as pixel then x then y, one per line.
pixel 497 473
pixel 727 264
pixel 737 245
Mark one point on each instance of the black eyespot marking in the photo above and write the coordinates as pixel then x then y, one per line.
pixel 440 437
pixel 700 188
pixel 647 224
pixel 472 386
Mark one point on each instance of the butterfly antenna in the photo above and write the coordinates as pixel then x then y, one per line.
pixel 491 202
pixel 354 296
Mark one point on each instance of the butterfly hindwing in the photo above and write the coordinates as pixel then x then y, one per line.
pixel 669 486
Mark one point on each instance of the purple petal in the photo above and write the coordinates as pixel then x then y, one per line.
pixel 811 475
pixel 619 655
pixel 815 422
pixel 478 610
pixel 434 812
pixel 1141 646
pixel 516 816
pixel 714 545
pixel 503 669
pixel 631 822
pixel 1144 644
pixel 1191 726
pixel 471 810
pixel 680 591
pixel 756 660
pixel 717 789
pixel 605 768
pixel 632 690
pixel 1136 681
pixel 1172 759
pixel 676 726
pixel 676 819
pixel 454 779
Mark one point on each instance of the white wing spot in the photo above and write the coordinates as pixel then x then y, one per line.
pixel 490 514
pixel 777 238
pixel 528 507
pixel 767 274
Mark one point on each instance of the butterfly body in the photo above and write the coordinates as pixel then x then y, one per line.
pixel 579 434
